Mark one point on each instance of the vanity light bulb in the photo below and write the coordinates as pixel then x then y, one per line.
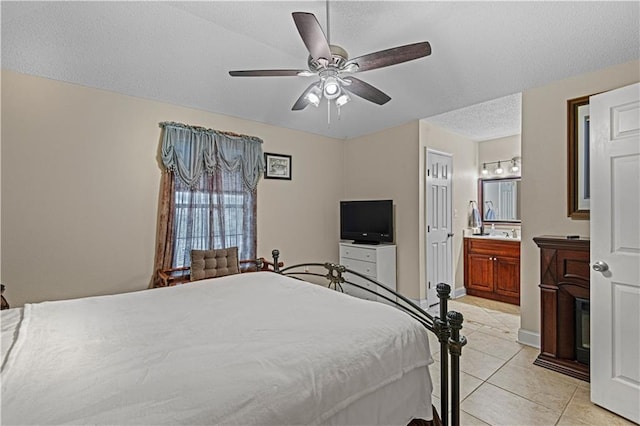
pixel 515 168
pixel 499 170
pixel 484 169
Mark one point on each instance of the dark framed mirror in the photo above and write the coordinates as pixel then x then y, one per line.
pixel 578 188
pixel 500 200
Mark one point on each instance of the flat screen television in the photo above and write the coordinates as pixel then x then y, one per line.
pixel 367 222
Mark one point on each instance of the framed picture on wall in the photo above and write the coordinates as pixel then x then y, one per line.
pixel 578 188
pixel 278 166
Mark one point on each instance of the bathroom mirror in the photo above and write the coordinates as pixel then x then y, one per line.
pixel 500 199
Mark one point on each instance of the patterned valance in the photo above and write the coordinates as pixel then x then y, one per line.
pixel 190 151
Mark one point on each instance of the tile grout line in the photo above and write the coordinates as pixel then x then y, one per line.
pixel 569 402
pixel 504 365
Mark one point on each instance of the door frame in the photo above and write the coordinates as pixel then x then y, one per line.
pixel 427 198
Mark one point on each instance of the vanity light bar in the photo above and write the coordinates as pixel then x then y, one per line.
pixel 514 165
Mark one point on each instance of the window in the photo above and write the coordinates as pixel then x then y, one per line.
pixel 214 214
pixel 208 194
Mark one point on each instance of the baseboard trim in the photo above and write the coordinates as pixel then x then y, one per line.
pixel 455 294
pixel 420 302
pixel 459 292
pixel 529 338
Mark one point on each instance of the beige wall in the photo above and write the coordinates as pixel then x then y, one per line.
pixel 0 177
pixel 80 182
pixel 544 176
pixel 385 165
pixel 465 177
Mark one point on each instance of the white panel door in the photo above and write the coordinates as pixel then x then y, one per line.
pixel 615 250
pixel 439 228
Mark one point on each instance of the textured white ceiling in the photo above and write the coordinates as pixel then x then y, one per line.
pixel 493 119
pixel 181 52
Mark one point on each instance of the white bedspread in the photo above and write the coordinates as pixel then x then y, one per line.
pixel 253 348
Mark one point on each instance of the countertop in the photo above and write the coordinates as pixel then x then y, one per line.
pixel 494 237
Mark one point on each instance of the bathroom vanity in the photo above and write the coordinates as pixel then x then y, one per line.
pixel 492 267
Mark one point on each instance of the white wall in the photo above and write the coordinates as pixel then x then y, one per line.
pixel 465 178
pixel 544 176
pixel 80 183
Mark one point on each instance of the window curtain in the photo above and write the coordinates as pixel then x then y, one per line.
pixel 208 193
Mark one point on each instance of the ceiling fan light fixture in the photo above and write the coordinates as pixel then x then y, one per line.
pixel 331 88
pixel 314 96
pixel 342 99
pixel 330 62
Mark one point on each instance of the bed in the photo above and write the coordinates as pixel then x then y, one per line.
pixel 253 348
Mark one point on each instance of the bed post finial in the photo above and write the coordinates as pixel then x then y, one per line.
pixel 443 290
pixel 276 254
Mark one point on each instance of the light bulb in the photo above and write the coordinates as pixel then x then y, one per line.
pixel 484 169
pixel 331 88
pixel 313 97
pixel 499 169
pixel 514 166
pixel 342 100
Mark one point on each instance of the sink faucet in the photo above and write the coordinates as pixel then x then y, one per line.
pixel 506 234
pixel 514 233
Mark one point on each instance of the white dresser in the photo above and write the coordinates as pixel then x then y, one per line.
pixel 375 261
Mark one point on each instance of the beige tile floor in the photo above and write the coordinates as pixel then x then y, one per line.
pixel 499 383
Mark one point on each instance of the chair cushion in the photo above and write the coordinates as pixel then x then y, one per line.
pixel 214 263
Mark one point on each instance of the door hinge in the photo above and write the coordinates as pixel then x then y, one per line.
pixel 428 172
pixel 428 228
pixel 429 284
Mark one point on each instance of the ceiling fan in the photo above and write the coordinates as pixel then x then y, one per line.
pixel 332 65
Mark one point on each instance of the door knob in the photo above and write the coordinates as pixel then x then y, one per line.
pixel 450 234
pixel 600 266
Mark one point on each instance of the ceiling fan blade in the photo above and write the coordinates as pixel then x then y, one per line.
pixel 366 91
pixel 267 73
pixel 302 101
pixel 395 55
pixel 312 35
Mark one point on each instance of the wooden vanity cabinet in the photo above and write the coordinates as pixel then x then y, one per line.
pixel 492 269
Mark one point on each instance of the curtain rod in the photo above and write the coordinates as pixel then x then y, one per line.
pixel 200 128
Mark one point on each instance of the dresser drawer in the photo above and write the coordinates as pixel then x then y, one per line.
pixel 358 292
pixel 375 262
pixel 358 253
pixel 365 268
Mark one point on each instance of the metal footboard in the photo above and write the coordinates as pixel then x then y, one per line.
pixel 446 326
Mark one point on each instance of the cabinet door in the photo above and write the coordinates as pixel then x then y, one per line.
pixel 507 276
pixel 480 275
